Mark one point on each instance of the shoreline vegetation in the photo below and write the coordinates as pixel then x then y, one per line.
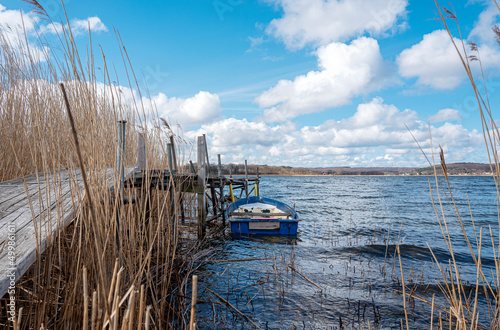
pixel 129 265
pixel 453 169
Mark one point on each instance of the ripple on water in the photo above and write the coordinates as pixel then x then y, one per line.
pixel 346 245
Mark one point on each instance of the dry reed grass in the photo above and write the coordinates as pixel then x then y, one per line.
pixel 463 310
pixel 85 279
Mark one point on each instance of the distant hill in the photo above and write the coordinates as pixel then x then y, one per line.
pixel 453 169
pixel 364 170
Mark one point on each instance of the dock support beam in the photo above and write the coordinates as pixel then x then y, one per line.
pixel 202 184
pixel 120 151
pixel 221 191
pixel 172 168
pixel 120 176
pixel 246 179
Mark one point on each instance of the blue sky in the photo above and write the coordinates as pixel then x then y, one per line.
pixel 299 82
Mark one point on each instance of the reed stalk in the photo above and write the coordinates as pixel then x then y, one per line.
pixel 58 118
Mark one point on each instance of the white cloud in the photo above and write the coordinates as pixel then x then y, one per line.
pixel 13 24
pixel 434 61
pixel 376 135
pixel 482 31
pixel 373 124
pixel 320 22
pixel 202 108
pixel 444 115
pixel 12 21
pixel 233 132
pixel 345 71
pixel 79 27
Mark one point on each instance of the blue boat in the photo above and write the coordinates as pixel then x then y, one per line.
pixel 262 216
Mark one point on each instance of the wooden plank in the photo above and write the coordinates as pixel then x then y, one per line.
pixel 37 214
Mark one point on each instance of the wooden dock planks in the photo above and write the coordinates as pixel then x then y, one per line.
pixel 36 210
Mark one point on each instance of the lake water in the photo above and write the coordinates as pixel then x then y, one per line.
pixel 346 245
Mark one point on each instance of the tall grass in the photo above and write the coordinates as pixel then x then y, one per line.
pixel 94 274
pixel 466 308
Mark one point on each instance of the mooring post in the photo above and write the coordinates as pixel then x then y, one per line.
pixel 201 186
pixel 141 153
pixel 120 151
pixel 169 158
pixel 171 170
pixel 257 193
pixel 221 191
pixel 231 185
pixel 120 175
pixel 246 179
pixel 174 156
pixel 206 154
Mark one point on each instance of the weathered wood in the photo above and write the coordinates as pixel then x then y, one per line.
pixel 246 179
pixel 120 152
pixel 201 182
pixel 141 153
pixel 206 154
pixel 221 193
pixel 170 160
pixel 174 156
pixel 37 219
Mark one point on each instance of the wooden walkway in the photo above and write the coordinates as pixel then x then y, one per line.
pixel 34 212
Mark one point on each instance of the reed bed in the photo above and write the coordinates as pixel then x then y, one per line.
pixel 467 304
pixel 95 273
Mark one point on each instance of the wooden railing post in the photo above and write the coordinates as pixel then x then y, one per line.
pixel 221 191
pixel 202 186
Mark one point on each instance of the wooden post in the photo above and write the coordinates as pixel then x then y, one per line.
pixel 201 185
pixel 246 179
pixel 170 160
pixel 120 151
pixel 221 191
pixel 193 170
pixel 206 154
pixel 174 156
pixel 231 185
pixel 141 153
pixel 257 192
pixel 120 176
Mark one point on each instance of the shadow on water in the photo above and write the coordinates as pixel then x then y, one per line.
pixel 342 270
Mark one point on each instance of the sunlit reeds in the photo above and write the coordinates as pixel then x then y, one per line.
pixel 466 308
pixel 117 265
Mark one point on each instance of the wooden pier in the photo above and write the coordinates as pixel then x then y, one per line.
pixel 36 208
pixel 33 211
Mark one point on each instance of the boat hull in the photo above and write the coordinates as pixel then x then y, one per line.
pixel 252 216
pixel 264 227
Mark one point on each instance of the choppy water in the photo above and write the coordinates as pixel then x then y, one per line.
pixel 341 247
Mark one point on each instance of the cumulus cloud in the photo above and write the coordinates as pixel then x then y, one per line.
pixel 78 26
pixel 433 61
pixel 232 132
pixel 344 71
pixel 202 108
pixel 482 31
pixel 444 115
pixel 82 26
pixel 320 22
pixel 13 24
pixel 375 135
